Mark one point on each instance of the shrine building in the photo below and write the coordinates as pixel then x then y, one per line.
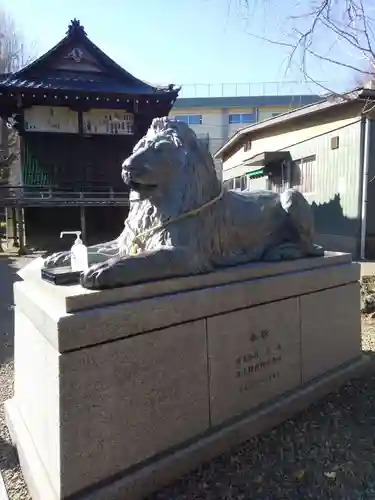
pixel 78 115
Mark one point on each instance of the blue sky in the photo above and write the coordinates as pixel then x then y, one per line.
pixel 174 41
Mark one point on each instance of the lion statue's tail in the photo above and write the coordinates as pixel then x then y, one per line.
pixel 302 220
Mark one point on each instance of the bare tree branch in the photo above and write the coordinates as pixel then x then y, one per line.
pixel 347 26
pixel 14 54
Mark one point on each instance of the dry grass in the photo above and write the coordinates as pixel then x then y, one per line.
pixel 324 453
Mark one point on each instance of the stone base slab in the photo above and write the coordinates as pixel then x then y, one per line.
pixel 162 471
pixel 115 384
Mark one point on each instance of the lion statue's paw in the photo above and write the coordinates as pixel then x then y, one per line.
pixel 100 276
pixel 57 259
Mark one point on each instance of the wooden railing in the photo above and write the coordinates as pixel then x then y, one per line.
pixel 33 196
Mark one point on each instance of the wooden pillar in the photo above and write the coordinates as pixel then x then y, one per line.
pixel 8 228
pixel 7 225
pixel 21 231
pixel 14 227
pixel 2 230
pixel 83 224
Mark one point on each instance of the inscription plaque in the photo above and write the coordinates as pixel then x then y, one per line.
pixel 54 119
pixel 107 122
pixel 257 361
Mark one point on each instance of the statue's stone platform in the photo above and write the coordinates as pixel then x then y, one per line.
pixel 119 392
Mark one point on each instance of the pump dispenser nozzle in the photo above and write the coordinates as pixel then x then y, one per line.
pixel 77 233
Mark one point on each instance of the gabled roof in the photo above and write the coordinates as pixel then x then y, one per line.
pixel 330 101
pixel 75 64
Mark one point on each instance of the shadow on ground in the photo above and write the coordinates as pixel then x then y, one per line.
pixel 324 453
pixel 8 455
pixel 8 276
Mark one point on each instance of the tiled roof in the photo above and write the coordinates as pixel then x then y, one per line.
pixel 78 82
pixel 111 79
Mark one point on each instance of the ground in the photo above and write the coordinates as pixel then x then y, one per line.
pixel 325 453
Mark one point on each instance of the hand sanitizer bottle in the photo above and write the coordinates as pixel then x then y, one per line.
pixel 78 252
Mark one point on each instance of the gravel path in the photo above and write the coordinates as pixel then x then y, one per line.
pixel 325 453
pixel 8 458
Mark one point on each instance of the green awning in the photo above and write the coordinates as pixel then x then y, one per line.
pixel 255 173
pixel 267 157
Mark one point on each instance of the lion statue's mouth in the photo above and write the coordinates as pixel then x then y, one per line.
pixel 136 185
pixel 140 186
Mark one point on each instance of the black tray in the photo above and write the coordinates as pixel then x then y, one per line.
pixel 61 276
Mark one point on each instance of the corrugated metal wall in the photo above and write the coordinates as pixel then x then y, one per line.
pixel 337 171
pixel 337 187
pixel 371 184
pixel 370 220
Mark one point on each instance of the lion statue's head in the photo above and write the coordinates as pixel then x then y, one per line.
pixel 170 163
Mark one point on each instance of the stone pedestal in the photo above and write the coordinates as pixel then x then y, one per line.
pixel 119 392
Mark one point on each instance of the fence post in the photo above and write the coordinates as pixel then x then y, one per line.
pixel 83 224
pixel 21 230
pixel 14 227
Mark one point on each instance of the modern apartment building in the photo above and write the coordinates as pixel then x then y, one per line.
pixel 216 119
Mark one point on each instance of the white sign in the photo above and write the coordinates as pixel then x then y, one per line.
pixel 51 119
pixel 107 122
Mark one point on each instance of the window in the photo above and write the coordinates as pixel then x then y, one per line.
pixel 242 118
pixel 190 119
pixel 276 114
pixel 335 142
pixel 239 183
pixel 281 179
pixel 304 172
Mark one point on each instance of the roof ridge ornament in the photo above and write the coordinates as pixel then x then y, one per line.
pixel 76 27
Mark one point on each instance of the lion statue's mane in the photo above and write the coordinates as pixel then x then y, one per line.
pixel 182 221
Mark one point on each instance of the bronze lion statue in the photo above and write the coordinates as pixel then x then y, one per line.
pixel 182 221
